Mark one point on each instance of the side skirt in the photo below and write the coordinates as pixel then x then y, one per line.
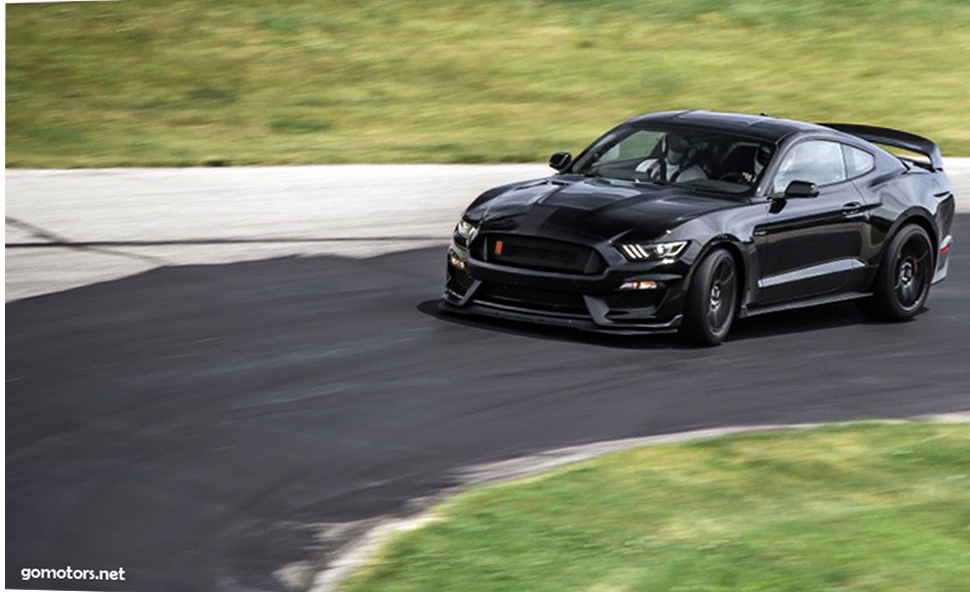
pixel 791 305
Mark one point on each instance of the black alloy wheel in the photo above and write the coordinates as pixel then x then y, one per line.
pixel 711 300
pixel 903 282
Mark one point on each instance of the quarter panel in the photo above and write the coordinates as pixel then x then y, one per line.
pixel 901 198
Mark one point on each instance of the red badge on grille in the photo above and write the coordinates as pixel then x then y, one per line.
pixel 498 247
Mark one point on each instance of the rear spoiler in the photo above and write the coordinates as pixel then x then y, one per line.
pixel 894 138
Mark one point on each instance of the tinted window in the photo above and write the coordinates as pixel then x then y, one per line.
pixel 817 161
pixel 857 162
pixel 639 144
pixel 692 158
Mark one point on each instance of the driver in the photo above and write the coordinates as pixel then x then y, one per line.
pixel 674 165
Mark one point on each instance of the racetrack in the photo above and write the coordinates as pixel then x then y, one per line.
pixel 199 425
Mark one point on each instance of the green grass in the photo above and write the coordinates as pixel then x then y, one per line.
pixel 161 82
pixel 858 507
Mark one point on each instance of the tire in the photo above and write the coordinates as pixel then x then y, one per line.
pixel 903 281
pixel 712 300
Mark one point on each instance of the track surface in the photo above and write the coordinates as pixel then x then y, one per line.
pixel 191 424
pixel 198 425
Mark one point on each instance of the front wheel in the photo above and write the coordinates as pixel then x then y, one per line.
pixel 903 281
pixel 712 300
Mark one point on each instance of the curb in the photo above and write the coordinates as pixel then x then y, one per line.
pixel 358 551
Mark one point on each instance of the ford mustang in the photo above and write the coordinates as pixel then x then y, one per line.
pixel 686 221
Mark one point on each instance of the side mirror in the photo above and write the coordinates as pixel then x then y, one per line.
pixel 801 190
pixel 560 160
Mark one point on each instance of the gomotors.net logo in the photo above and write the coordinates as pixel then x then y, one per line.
pixel 69 573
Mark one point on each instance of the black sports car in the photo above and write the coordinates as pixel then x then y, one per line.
pixel 690 219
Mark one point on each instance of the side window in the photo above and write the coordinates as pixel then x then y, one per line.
pixel 815 161
pixel 857 162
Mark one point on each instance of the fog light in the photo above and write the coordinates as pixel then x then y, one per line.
pixel 645 285
pixel 456 261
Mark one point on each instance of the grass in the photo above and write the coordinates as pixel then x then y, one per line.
pixel 191 82
pixel 858 507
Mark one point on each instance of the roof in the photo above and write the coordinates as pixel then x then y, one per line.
pixel 759 126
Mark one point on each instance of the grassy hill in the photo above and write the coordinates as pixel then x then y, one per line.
pixel 145 82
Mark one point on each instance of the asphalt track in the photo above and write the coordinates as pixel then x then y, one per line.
pixel 201 425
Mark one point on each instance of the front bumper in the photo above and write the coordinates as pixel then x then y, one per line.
pixel 586 302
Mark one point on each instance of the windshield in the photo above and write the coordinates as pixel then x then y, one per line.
pixel 689 158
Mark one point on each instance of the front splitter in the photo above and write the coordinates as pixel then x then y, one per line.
pixel 511 313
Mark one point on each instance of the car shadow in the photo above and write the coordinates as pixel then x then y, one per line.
pixel 818 318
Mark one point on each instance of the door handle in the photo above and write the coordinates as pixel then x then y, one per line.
pixel 852 209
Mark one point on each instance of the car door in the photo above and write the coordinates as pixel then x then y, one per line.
pixel 811 246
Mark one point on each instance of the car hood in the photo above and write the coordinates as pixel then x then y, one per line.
pixel 593 209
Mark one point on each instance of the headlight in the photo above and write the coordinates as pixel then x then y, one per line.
pixel 653 252
pixel 465 229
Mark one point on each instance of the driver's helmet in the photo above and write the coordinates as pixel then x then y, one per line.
pixel 677 143
pixel 763 155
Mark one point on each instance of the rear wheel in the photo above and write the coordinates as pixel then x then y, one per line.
pixel 903 281
pixel 711 300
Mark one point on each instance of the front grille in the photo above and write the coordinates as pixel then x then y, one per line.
pixel 539 253
pixel 627 299
pixel 540 300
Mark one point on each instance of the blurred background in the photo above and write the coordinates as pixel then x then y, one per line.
pixel 145 82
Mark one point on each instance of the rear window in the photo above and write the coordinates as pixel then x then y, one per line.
pixel 857 162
